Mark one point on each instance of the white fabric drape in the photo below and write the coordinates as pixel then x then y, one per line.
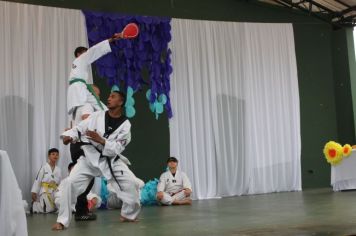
pixel 236 125
pixel 12 212
pixel 36 45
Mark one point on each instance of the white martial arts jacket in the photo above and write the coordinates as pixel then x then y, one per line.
pixel 173 184
pixel 78 93
pixel 114 145
pixel 45 177
pixel 83 110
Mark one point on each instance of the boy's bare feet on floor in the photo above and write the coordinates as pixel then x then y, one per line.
pixel 58 226
pixel 124 219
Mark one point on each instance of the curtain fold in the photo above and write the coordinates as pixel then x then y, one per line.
pixel 36 45
pixel 235 99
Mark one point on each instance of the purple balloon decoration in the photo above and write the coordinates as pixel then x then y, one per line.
pixel 149 51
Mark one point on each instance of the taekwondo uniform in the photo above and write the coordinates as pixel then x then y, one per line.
pixel 78 93
pixel 100 160
pixel 172 186
pixel 90 196
pixel 113 202
pixel 44 186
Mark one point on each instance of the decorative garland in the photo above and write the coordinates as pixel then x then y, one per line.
pixel 130 59
pixel 334 152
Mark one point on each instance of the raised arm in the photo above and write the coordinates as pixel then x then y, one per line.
pixel 99 50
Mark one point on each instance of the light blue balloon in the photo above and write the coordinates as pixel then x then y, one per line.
pixel 130 101
pixel 115 88
pixel 130 92
pixel 152 107
pixel 148 94
pixel 162 99
pixel 130 111
pixel 158 107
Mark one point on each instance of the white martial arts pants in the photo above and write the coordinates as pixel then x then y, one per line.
pixel 113 202
pixel 168 199
pixel 128 191
pixel 45 204
pixel 78 180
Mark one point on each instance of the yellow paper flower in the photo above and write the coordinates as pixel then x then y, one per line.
pixel 346 150
pixel 333 152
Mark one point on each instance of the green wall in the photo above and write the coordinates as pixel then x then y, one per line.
pixel 341 55
pixel 326 70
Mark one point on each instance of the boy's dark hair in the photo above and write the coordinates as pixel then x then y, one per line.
pixel 79 50
pixel 52 150
pixel 123 97
pixel 172 159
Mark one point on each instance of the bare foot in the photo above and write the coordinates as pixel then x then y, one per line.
pixel 124 219
pixel 183 202
pixel 57 227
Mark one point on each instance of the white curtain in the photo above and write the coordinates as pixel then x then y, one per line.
pixel 236 125
pixel 36 45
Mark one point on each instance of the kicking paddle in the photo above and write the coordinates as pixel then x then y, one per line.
pixel 130 31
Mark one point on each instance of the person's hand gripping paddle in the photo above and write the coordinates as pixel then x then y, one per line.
pixel 130 31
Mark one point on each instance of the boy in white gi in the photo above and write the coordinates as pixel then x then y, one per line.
pixel 174 187
pixel 45 184
pixel 104 136
pixel 79 91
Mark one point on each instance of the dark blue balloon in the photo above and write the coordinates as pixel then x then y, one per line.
pixel 129 57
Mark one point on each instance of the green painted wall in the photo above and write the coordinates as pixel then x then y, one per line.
pixel 342 84
pixel 324 81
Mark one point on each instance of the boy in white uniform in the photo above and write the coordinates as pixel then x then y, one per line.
pixel 104 137
pixel 79 91
pixel 174 187
pixel 46 182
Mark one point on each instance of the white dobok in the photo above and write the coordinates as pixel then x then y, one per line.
pixel 45 184
pixel 78 94
pixel 96 163
pixel 172 186
pixel 90 196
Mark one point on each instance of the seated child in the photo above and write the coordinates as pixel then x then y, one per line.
pixel 45 184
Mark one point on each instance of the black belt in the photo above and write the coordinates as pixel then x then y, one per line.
pixel 107 159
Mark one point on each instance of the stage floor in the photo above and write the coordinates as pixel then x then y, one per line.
pixel 311 212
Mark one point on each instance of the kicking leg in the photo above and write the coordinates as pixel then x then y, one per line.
pixel 78 181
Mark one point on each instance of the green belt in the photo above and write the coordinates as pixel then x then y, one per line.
pixel 90 88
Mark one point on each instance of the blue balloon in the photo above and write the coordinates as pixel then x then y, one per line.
pixel 93 35
pixel 115 88
pixel 148 94
pixel 130 92
pixel 162 99
pixel 152 107
pixel 158 107
pixel 130 111
pixel 130 101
